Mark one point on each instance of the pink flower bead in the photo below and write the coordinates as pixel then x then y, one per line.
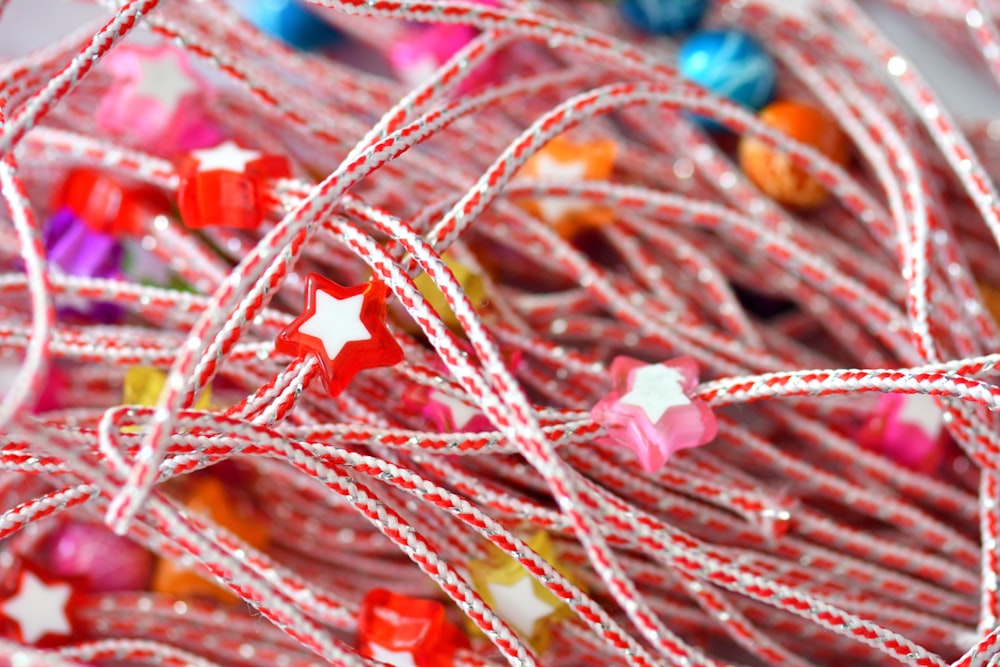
pixel 157 100
pixel 89 551
pixel 649 409
pixel 907 428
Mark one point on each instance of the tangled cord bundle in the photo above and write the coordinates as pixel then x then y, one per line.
pixel 783 541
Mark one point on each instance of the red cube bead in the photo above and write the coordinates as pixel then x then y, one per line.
pixel 106 205
pixel 400 630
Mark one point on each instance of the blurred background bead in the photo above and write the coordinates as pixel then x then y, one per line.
pixel 664 17
pixel 293 23
pixel 773 172
pixel 91 552
pixel 730 63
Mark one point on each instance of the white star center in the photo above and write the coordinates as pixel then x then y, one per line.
pixel 656 389
pixel 518 604
pixel 163 80
pixel 39 609
pixel 395 658
pixel 227 157
pixel 921 411
pixel 336 322
pixel 461 412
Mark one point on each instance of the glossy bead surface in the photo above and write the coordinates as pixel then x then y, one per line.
pixel 773 171
pixel 156 100
pixel 407 632
pixel 226 186
pixel 730 63
pixel 143 386
pixel 562 159
pixel 293 23
pixel 209 498
pixel 523 602
pixel 471 284
pixel 907 428
pixel 344 328
pixel 649 409
pixel 103 560
pixel 664 17
pixel 106 205
pixel 422 50
pixel 38 608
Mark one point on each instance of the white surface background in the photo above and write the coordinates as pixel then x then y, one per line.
pixel 968 92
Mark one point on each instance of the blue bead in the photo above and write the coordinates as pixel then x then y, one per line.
pixel 730 63
pixel 664 17
pixel 292 23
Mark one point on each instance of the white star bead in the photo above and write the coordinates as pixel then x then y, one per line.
pixel 227 157
pixel 461 412
pixel 518 604
pixel 656 389
pixel 163 80
pixel 336 322
pixel 921 411
pixel 39 609
pixel 394 658
pixel 554 209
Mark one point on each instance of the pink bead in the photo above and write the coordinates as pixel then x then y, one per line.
pixel 907 428
pixel 93 553
pixel 157 100
pixel 649 409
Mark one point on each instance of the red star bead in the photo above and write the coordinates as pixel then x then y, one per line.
pixel 344 327
pixel 407 632
pixel 106 205
pixel 39 609
pixel 227 186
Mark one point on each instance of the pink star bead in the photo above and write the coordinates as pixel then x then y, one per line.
pixel 447 413
pixel 156 100
pixel 907 428
pixel 650 411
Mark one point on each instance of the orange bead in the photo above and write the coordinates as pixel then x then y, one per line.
pixel 773 171
pixel 209 499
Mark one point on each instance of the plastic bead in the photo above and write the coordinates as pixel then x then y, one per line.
pixel 293 23
pixel 226 186
pixel 104 561
pixel 143 386
pixel 445 412
pixel 407 632
pixel 344 327
pixel 773 172
pixel 75 249
pixel 471 284
pixel 38 610
pixel 650 412
pixel 106 205
pixel 730 63
pixel 418 54
pixel 156 101
pixel 909 429
pixel 664 17
pixel 208 498
pixel 564 160
pixel 517 597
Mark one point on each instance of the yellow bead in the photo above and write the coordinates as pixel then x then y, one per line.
pixel 143 386
pixel 470 283
pixel 773 172
pixel 524 603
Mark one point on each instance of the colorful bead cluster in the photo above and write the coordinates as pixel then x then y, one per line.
pixel 454 334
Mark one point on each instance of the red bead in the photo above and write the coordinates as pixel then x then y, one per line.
pixel 344 327
pixel 38 608
pixel 400 630
pixel 106 205
pixel 227 186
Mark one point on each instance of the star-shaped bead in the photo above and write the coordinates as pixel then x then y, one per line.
pixel 227 156
pixel 163 80
pixel 407 632
pixel 564 160
pixel 649 409
pixel 907 428
pixel 227 186
pixel 517 597
pixel 344 328
pixel 468 280
pixel 38 609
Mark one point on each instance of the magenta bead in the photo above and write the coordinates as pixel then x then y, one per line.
pixel 93 553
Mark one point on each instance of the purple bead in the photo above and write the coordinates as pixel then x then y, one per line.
pixel 78 250
pixel 107 562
